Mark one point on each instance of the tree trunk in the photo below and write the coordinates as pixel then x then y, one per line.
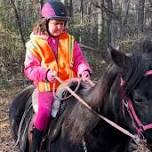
pixel 18 20
pixel 99 32
pixel 124 17
pixel 70 8
pixel 140 16
pixel 81 20
pixel 109 22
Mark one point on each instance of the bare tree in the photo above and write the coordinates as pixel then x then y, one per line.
pixel 100 25
pixel 109 21
pixel 140 15
pixel 81 19
pixel 70 8
pixel 124 17
pixel 18 20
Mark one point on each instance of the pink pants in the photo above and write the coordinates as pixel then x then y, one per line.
pixel 42 117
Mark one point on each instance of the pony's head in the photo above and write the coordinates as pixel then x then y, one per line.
pixel 135 72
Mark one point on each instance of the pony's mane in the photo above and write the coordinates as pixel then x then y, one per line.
pixel 134 74
pixel 140 64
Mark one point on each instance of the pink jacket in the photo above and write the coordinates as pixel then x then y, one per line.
pixel 35 72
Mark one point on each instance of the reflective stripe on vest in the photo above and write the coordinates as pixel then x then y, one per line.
pixel 71 45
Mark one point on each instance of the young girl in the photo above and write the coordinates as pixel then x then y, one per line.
pixel 51 52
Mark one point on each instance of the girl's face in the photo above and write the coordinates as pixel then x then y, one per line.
pixel 56 27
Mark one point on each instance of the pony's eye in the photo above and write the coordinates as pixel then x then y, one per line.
pixel 138 100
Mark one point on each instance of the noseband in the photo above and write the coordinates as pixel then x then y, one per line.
pixel 128 104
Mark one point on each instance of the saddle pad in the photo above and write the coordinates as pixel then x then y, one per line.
pixel 55 107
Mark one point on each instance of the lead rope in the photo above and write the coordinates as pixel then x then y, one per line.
pixel 126 132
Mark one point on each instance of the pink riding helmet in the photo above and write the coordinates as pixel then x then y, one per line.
pixel 54 10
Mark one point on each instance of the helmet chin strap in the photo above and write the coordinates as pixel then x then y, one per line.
pixel 47 26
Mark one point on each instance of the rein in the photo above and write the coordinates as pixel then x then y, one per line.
pixel 113 124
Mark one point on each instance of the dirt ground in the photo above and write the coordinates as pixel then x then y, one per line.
pixel 6 141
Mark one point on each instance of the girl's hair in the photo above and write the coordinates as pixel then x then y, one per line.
pixel 41 27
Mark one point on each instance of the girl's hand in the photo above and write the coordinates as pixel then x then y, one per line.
pixel 85 75
pixel 51 75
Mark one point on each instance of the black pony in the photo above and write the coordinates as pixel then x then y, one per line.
pixel 123 94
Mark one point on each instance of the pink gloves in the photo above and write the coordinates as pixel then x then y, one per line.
pixel 85 75
pixel 50 76
pixel 83 71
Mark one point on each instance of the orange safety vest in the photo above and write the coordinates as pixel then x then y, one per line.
pixel 62 63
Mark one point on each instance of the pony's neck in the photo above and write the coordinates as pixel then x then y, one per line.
pixel 102 88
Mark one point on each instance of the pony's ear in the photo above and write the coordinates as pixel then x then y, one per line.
pixel 120 59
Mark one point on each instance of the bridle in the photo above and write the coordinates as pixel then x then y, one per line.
pixel 128 104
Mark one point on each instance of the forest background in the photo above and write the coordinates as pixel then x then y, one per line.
pixel 94 23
